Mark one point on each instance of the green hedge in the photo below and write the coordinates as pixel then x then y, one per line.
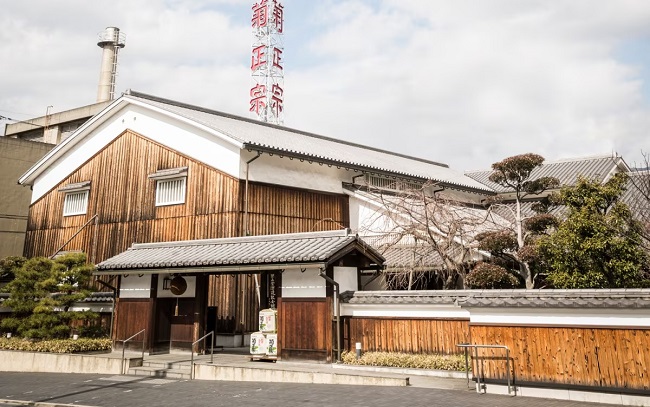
pixel 406 360
pixel 57 345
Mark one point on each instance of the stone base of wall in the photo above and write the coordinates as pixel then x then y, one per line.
pixel 17 361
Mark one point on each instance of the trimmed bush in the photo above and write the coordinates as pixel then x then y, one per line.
pixel 57 345
pixel 490 276
pixel 406 360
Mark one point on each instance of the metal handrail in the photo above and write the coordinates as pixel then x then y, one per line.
pixel 192 349
pixel 124 346
pixel 478 376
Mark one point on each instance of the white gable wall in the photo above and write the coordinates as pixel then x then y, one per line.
pixel 295 173
pixel 177 135
pixel 367 218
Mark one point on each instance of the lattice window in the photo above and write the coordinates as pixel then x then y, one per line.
pixel 75 203
pixel 171 184
pixel 170 191
pixel 392 184
pixel 75 200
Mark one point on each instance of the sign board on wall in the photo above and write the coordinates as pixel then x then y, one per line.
pixel 176 286
pixel 302 284
pixel 134 286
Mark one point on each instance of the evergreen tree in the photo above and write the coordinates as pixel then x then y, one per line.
pixel 41 293
pixel 599 245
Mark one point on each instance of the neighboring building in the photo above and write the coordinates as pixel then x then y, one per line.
pixel 53 128
pixel 147 170
pixel 16 156
pixel 567 171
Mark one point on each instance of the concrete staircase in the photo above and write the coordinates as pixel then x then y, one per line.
pixel 169 370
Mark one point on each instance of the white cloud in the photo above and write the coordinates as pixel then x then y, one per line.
pixel 465 82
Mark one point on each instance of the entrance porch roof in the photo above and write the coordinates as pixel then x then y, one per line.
pixel 241 254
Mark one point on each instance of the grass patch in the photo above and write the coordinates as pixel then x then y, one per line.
pixel 406 360
pixel 57 345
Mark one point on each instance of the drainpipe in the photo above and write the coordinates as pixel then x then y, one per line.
pixel 337 311
pixel 246 229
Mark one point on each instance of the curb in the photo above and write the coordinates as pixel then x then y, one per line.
pixel 37 403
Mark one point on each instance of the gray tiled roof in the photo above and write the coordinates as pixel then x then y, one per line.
pixel 267 137
pixel 250 250
pixel 610 298
pixel 93 297
pixel 567 171
pixel 413 297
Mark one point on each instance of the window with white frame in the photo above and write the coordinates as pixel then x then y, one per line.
pixel 171 185
pixel 75 201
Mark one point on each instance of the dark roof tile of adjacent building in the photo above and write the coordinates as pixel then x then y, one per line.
pixel 250 250
pixel 567 171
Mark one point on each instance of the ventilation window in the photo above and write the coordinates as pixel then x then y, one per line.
pixel 391 184
pixel 170 186
pixel 75 201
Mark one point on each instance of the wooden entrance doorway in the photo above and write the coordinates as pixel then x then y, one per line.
pixel 173 330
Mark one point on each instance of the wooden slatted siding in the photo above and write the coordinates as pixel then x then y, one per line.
pixel 412 335
pixel 236 300
pixel 313 339
pixel 132 315
pixel 594 357
pixel 274 209
pixel 123 197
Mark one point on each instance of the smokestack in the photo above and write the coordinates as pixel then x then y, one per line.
pixel 110 40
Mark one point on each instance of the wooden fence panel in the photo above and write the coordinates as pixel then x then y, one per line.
pixel 596 357
pixel 410 335
pixel 304 328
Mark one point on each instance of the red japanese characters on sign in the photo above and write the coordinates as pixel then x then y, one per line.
pixel 267 96
pixel 276 99
pixel 258 98
pixel 260 14
pixel 277 57
pixel 258 58
pixel 278 16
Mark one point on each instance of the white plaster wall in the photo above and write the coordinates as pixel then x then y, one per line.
pixel 179 135
pixel 133 286
pixel 561 317
pixel 367 218
pixel 404 311
pixel 190 292
pixel 297 284
pixel 294 173
pixel 347 278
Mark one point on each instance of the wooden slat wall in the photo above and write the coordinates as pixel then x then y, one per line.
pixel 599 357
pixel 274 209
pixel 124 198
pixel 405 335
pixel 132 315
pixel 313 317
pixel 236 301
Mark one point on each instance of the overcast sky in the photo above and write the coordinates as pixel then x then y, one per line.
pixel 466 83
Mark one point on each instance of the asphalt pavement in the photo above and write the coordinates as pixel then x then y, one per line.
pixel 54 389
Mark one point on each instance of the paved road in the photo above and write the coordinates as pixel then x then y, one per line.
pixel 132 391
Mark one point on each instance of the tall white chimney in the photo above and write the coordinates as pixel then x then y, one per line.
pixel 110 40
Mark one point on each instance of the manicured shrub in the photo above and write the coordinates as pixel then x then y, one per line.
pixel 406 360
pixel 490 276
pixel 56 345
